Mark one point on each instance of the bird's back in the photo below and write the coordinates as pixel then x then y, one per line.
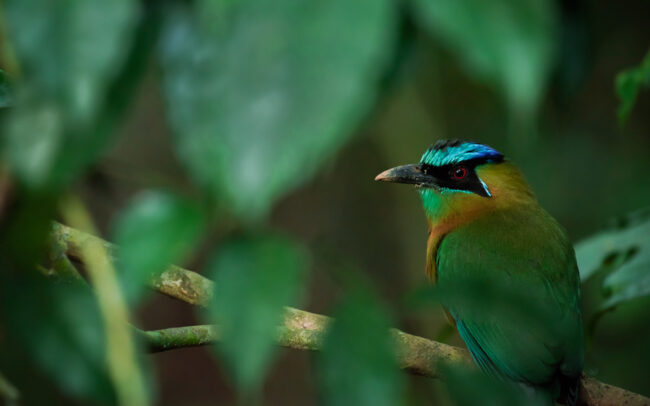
pixel 512 287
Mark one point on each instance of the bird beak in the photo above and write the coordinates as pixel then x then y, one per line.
pixel 410 174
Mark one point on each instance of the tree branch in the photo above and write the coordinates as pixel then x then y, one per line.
pixel 304 330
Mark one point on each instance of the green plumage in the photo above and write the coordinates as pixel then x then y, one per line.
pixel 527 327
pixel 505 268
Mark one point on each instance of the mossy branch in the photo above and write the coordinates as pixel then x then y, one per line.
pixel 304 330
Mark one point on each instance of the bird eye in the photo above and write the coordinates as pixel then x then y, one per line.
pixel 459 173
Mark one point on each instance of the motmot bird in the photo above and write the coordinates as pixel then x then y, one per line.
pixel 488 231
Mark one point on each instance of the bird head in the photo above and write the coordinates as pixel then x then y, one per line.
pixel 457 177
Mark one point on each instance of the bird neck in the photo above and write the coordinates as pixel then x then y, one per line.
pixel 449 209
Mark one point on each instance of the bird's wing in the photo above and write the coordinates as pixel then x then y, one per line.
pixel 510 282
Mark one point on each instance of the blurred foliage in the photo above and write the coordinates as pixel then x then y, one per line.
pixel 358 364
pixel 5 90
pixel 623 254
pixel 259 97
pixel 64 335
pixel 509 43
pixel 628 84
pixel 156 230
pixel 481 298
pixel 255 278
pixel 68 53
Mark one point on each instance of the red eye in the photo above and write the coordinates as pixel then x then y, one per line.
pixel 459 172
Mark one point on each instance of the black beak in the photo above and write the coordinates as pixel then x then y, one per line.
pixel 410 174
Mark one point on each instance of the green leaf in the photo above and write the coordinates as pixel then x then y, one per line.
pixel 69 52
pixel 625 253
pixel 155 230
pixel 260 102
pixel 70 49
pixel 255 278
pixel 628 84
pixel 358 364
pixel 631 281
pixel 509 43
pixel 60 327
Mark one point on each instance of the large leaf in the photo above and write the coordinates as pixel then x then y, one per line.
pixel 68 53
pixel 628 84
pixel 260 101
pixel 155 230
pixel 625 252
pixel 254 278
pixel 358 364
pixel 506 42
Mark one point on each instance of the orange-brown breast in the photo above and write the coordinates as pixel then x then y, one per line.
pixel 435 237
pixel 438 231
pixel 507 187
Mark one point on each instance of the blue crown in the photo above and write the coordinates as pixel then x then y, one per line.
pixel 446 152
